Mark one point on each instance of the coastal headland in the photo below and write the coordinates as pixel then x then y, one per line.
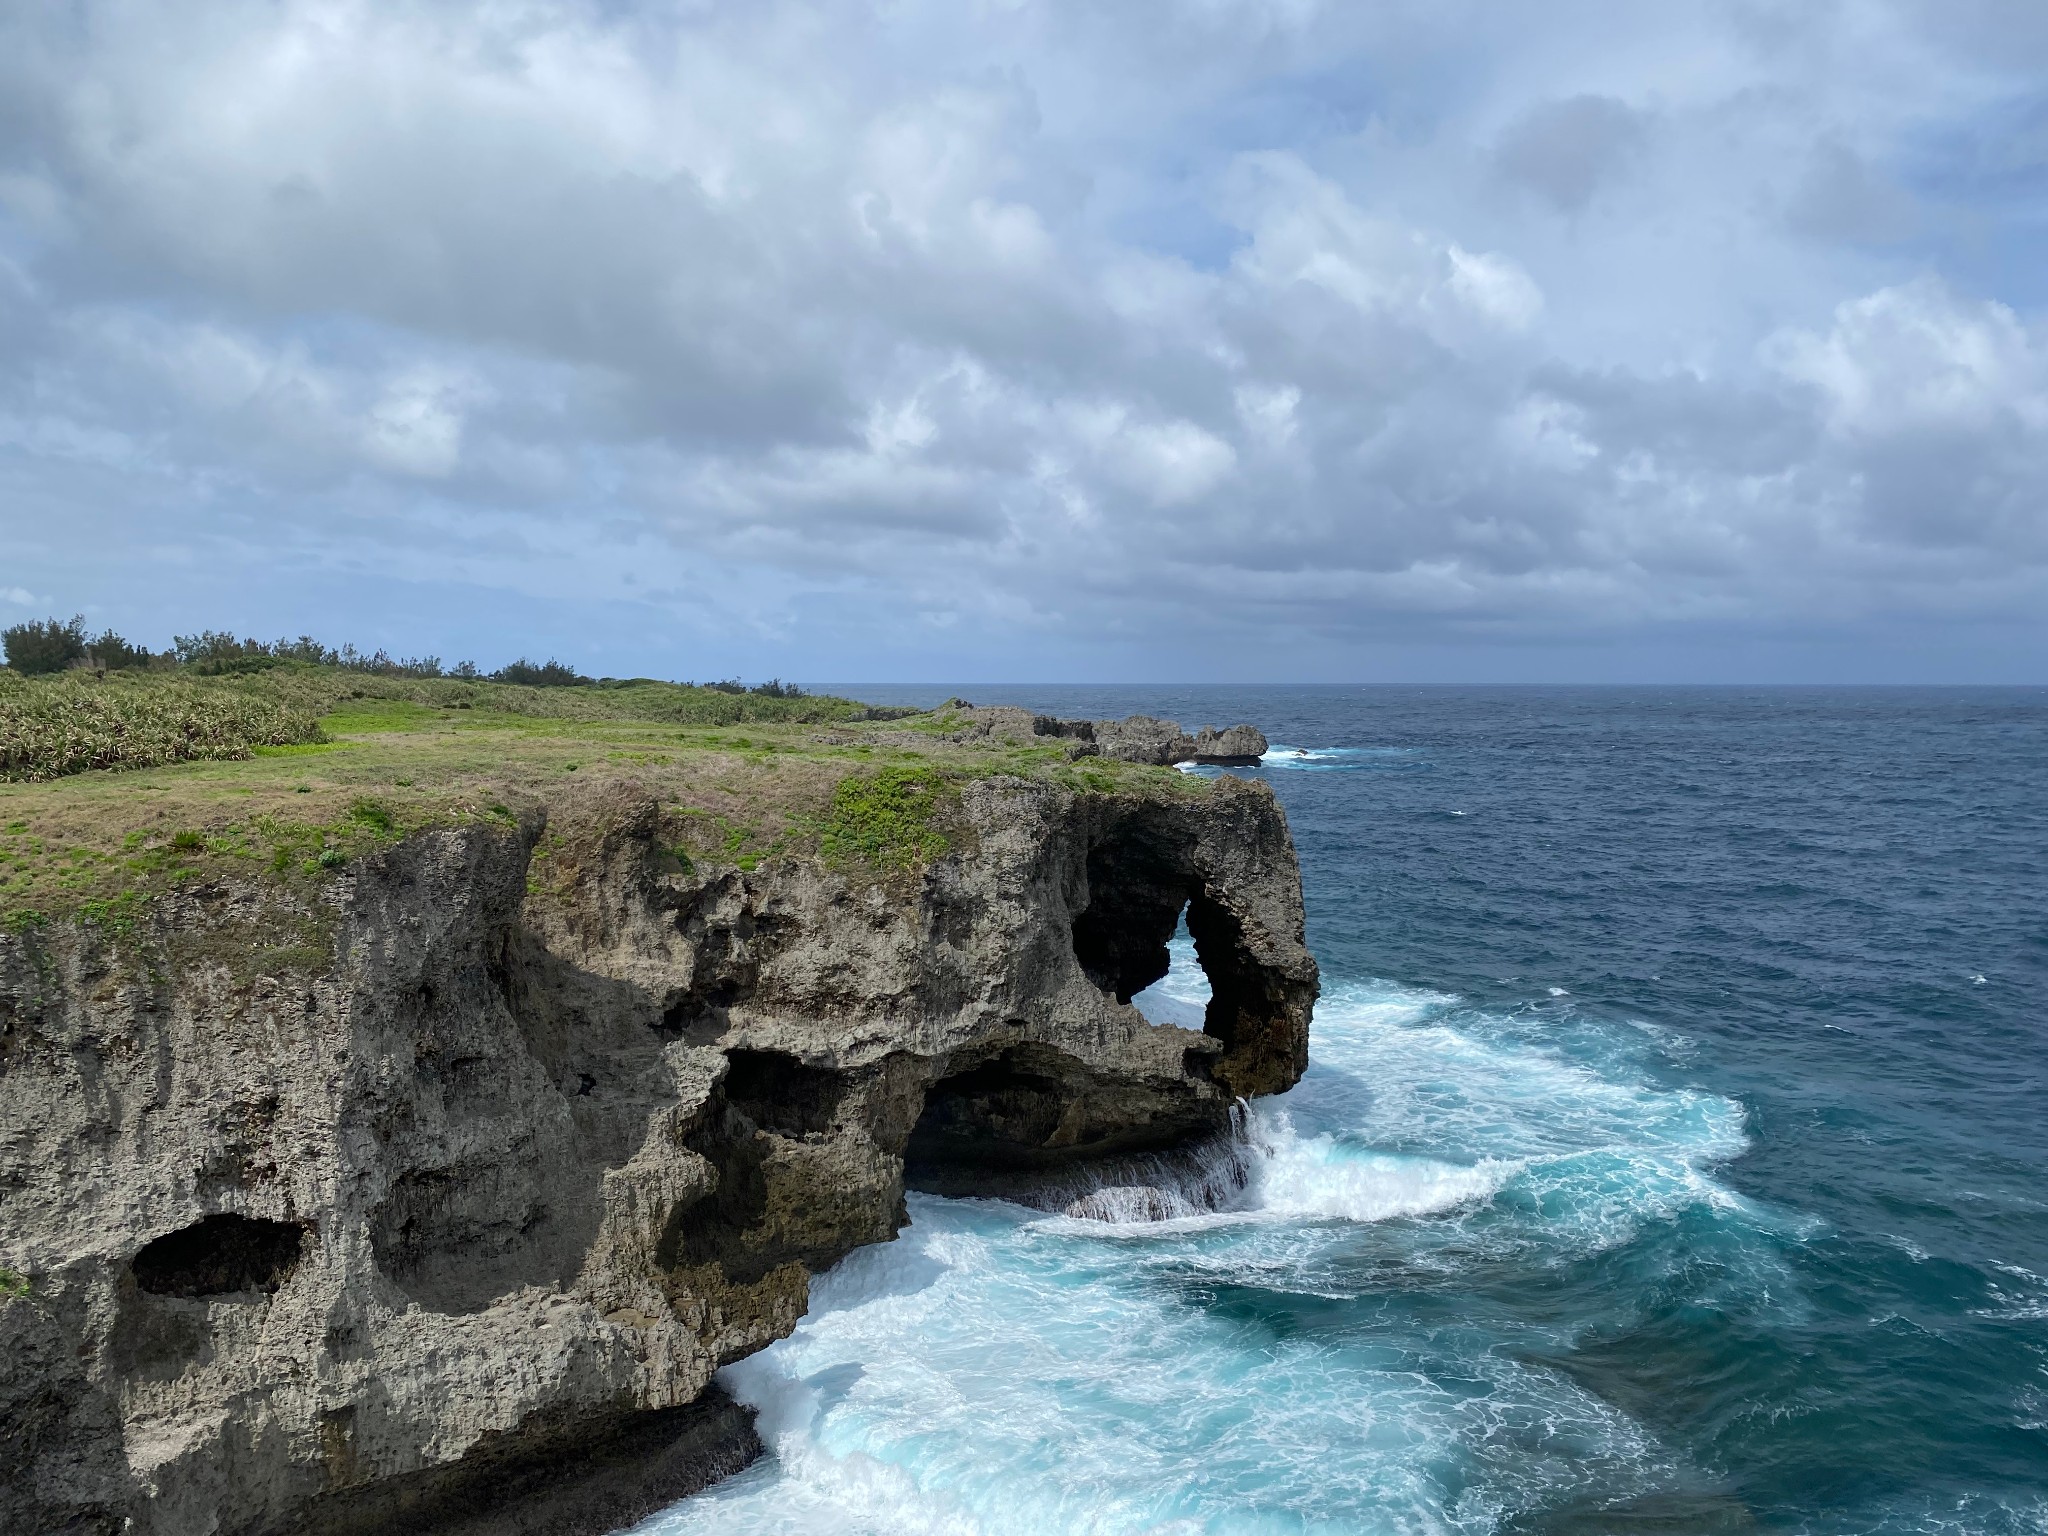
pixel 413 1091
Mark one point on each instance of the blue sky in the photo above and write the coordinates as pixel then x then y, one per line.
pixel 1011 340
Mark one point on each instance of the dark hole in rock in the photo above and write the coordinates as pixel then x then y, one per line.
pixel 1137 886
pixel 700 1007
pixel 780 1093
pixel 999 1113
pixel 754 1217
pixel 220 1256
pixel 715 1229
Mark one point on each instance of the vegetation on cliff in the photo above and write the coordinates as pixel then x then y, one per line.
pixel 116 788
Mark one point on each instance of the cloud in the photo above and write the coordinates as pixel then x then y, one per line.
pixel 1264 320
pixel 1564 150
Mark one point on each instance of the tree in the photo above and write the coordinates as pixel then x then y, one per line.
pixel 49 646
pixel 109 650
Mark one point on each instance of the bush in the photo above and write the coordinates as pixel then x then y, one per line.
pixel 214 653
pixel 547 674
pixel 53 726
pixel 37 649
pixel 221 654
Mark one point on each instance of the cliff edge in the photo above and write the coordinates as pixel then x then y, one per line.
pixel 432 1197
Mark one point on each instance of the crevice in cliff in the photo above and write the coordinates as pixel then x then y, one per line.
pixel 220 1256
pixel 772 1203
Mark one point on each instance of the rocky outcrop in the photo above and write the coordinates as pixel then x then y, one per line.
pixel 447 1226
pixel 1133 739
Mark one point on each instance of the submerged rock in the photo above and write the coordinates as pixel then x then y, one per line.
pixel 448 1226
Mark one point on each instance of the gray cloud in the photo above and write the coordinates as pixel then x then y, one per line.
pixel 1565 150
pixel 833 329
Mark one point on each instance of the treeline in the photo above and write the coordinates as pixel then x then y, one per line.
pixel 39 648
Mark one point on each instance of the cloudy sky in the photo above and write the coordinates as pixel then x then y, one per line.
pixel 1038 339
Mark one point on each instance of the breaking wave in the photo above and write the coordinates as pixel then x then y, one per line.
pixel 1152 1348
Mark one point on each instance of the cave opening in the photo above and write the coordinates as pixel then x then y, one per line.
pixel 220 1256
pixel 1000 1114
pixel 753 1219
pixel 1181 997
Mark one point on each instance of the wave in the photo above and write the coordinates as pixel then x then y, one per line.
pixel 1290 759
pixel 1177 1344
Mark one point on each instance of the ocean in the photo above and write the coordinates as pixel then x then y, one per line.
pixel 1672 1158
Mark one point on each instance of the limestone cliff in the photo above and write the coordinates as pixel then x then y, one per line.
pixel 469 1199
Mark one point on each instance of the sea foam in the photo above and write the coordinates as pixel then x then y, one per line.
pixel 1155 1354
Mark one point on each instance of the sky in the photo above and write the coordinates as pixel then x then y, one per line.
pixel 1035 340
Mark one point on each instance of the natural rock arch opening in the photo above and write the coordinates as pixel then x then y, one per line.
pixel 220 1256
pixel 1137 888
pixel 1142 879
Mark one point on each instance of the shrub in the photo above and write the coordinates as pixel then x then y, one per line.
pixel 214 653
pixel 367 812
pixel 547 674
pixel 53 726
pixel 36 649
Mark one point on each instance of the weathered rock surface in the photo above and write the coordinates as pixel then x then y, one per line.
pixel 1134 739
pixel 449 1229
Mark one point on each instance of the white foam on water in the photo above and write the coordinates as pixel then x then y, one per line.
pixel 1323 759
pixel 1012 1379
pixel 1323 1177
pixel 998 1370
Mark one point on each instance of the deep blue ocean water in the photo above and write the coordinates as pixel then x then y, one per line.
pixel 1673 1158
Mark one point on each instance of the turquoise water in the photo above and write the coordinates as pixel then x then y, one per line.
pixel 1671 1159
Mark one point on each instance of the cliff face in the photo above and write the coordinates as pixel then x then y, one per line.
pixel 465 1198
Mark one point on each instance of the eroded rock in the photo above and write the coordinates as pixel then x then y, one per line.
pixel 1133 739
pixel 375 1245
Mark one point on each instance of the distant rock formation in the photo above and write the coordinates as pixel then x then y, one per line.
pixel 1134 739
pixel 432 1202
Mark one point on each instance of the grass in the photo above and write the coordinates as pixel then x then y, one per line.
pixel 754 780
pixel 12 1282
pixel 885 820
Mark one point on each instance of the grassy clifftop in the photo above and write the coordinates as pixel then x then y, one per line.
pixel 294 773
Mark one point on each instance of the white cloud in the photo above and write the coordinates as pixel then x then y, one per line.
pixel 1538 327
pixel 1915 355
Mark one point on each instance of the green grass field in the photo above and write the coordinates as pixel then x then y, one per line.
pixel 295 773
